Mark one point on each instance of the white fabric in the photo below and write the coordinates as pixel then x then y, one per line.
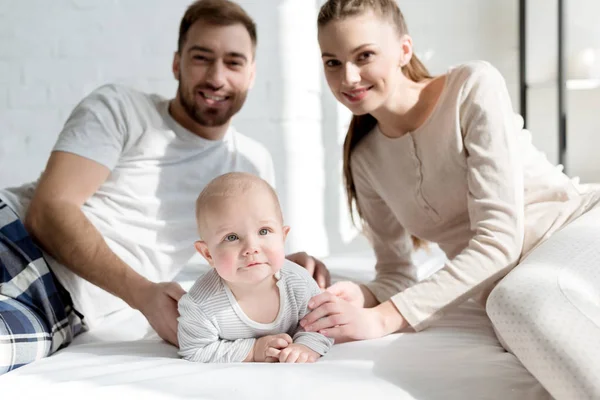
pixel 214 328
pixel 458 358
pixel 145 209
pixel 547 310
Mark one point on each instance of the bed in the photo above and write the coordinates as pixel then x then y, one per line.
pixel 458 358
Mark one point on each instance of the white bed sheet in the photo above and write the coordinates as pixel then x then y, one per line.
pixel 458 358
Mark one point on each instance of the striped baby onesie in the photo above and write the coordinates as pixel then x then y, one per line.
pixel 214 328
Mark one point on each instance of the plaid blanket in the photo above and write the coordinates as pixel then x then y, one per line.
pixel 36 313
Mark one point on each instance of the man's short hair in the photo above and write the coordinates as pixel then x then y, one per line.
pixel 215 12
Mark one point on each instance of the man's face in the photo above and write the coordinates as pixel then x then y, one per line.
pixel 215 70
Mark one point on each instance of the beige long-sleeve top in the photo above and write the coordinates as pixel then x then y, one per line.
pixel 468 179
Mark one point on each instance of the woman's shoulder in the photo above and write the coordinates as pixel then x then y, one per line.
pixel 469 74
pixel 472 68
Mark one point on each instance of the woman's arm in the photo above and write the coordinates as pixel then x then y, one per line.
pixel 336 312
pixel 392 244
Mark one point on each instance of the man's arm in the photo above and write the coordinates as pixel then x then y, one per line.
pixel 55 219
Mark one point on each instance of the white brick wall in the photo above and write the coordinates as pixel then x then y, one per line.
pixel 53 52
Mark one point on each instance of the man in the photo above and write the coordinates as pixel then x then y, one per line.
pixel 114 209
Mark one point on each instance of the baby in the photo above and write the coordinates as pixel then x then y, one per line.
pixel 248 306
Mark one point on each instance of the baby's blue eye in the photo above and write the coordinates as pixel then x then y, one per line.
pixel 231 238
pixel 263 232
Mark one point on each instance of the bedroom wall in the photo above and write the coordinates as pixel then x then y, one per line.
pixel 52 53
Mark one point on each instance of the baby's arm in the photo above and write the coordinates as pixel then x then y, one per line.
pixel 199 339
pixel 315 341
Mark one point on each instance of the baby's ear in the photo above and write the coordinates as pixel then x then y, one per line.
pixel 286 230
pixel 202 248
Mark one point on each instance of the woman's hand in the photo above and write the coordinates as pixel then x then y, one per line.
pixel 337 318
pixel 349 291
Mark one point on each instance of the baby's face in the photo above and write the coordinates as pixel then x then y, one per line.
pixel 245 238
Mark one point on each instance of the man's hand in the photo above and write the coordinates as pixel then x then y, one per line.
pixel 268 348
pixel 298 353
pixel 314 267
pixel 158 303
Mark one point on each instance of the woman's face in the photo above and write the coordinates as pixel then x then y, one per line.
pixel 362 57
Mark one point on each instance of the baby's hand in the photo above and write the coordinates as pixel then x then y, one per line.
pixel 268 348
pixel 298 353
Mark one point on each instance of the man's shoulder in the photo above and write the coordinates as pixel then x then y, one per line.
pixel 108 122
pixel 254 157
pixel 249 145
pixel 123 93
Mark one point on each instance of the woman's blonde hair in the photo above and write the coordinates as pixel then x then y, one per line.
pixel 361 125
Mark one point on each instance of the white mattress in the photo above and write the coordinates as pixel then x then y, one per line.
pixel 458 358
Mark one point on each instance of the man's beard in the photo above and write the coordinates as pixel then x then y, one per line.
pixel 208 116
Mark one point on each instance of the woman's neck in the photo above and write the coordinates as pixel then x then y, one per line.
pixel 409 107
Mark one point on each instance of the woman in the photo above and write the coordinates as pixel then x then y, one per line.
pixel 444 159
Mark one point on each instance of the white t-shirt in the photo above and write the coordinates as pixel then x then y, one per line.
pixel 145 209
pixel 214 328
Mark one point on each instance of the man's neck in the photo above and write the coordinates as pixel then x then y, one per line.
pixel 182 118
